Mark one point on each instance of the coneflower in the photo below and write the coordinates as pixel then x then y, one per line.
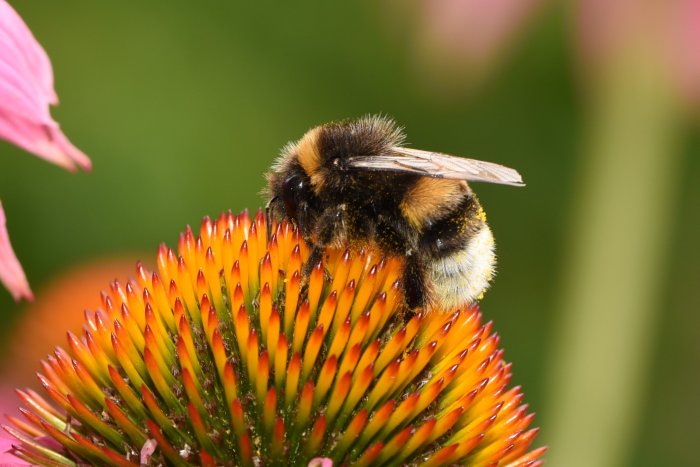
pixel 229 354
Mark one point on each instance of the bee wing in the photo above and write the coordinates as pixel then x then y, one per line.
pixel 435 164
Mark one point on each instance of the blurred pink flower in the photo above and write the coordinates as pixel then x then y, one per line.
pixel 602 27
pixel 458 41
pixel 684 48
pixel 455 44
pixel 475 30
pixel 26 92
pixel 11 273
pixel 668 31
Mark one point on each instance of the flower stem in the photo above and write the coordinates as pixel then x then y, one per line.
pixel 614 273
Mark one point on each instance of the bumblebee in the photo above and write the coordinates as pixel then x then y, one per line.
pixel 355 183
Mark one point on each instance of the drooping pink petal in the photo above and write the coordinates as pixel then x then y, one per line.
pixel 26 92
pixel 24 61
pixel 35 56
pixel 44 140
pixel 11 272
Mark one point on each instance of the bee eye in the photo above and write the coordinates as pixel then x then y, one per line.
pixel 292 185
pixel 290 188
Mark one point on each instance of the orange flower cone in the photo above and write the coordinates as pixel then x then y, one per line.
pixel 230 354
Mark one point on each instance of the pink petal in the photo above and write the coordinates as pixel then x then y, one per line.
pixel 321 462
pixel 6 457
pixel 22 52
pixel 11 273
pixel 9 403
pixel 35 56
pixel 44 140
pixel 147 450
pixel 26 92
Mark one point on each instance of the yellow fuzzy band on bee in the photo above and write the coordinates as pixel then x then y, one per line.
pixel 310 158
pixel 431 198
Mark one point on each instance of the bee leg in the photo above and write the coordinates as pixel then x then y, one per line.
pixel 331 225
pixel 315 257
pixel 413 282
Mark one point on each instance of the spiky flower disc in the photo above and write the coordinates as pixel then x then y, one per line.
pixel 229 355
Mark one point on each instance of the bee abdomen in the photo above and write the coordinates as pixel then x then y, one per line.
pixel 462 276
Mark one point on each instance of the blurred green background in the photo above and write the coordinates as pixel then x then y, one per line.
pixel 183 105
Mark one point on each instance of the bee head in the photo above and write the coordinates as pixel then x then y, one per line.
pixel 311 169
pixel 289 181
